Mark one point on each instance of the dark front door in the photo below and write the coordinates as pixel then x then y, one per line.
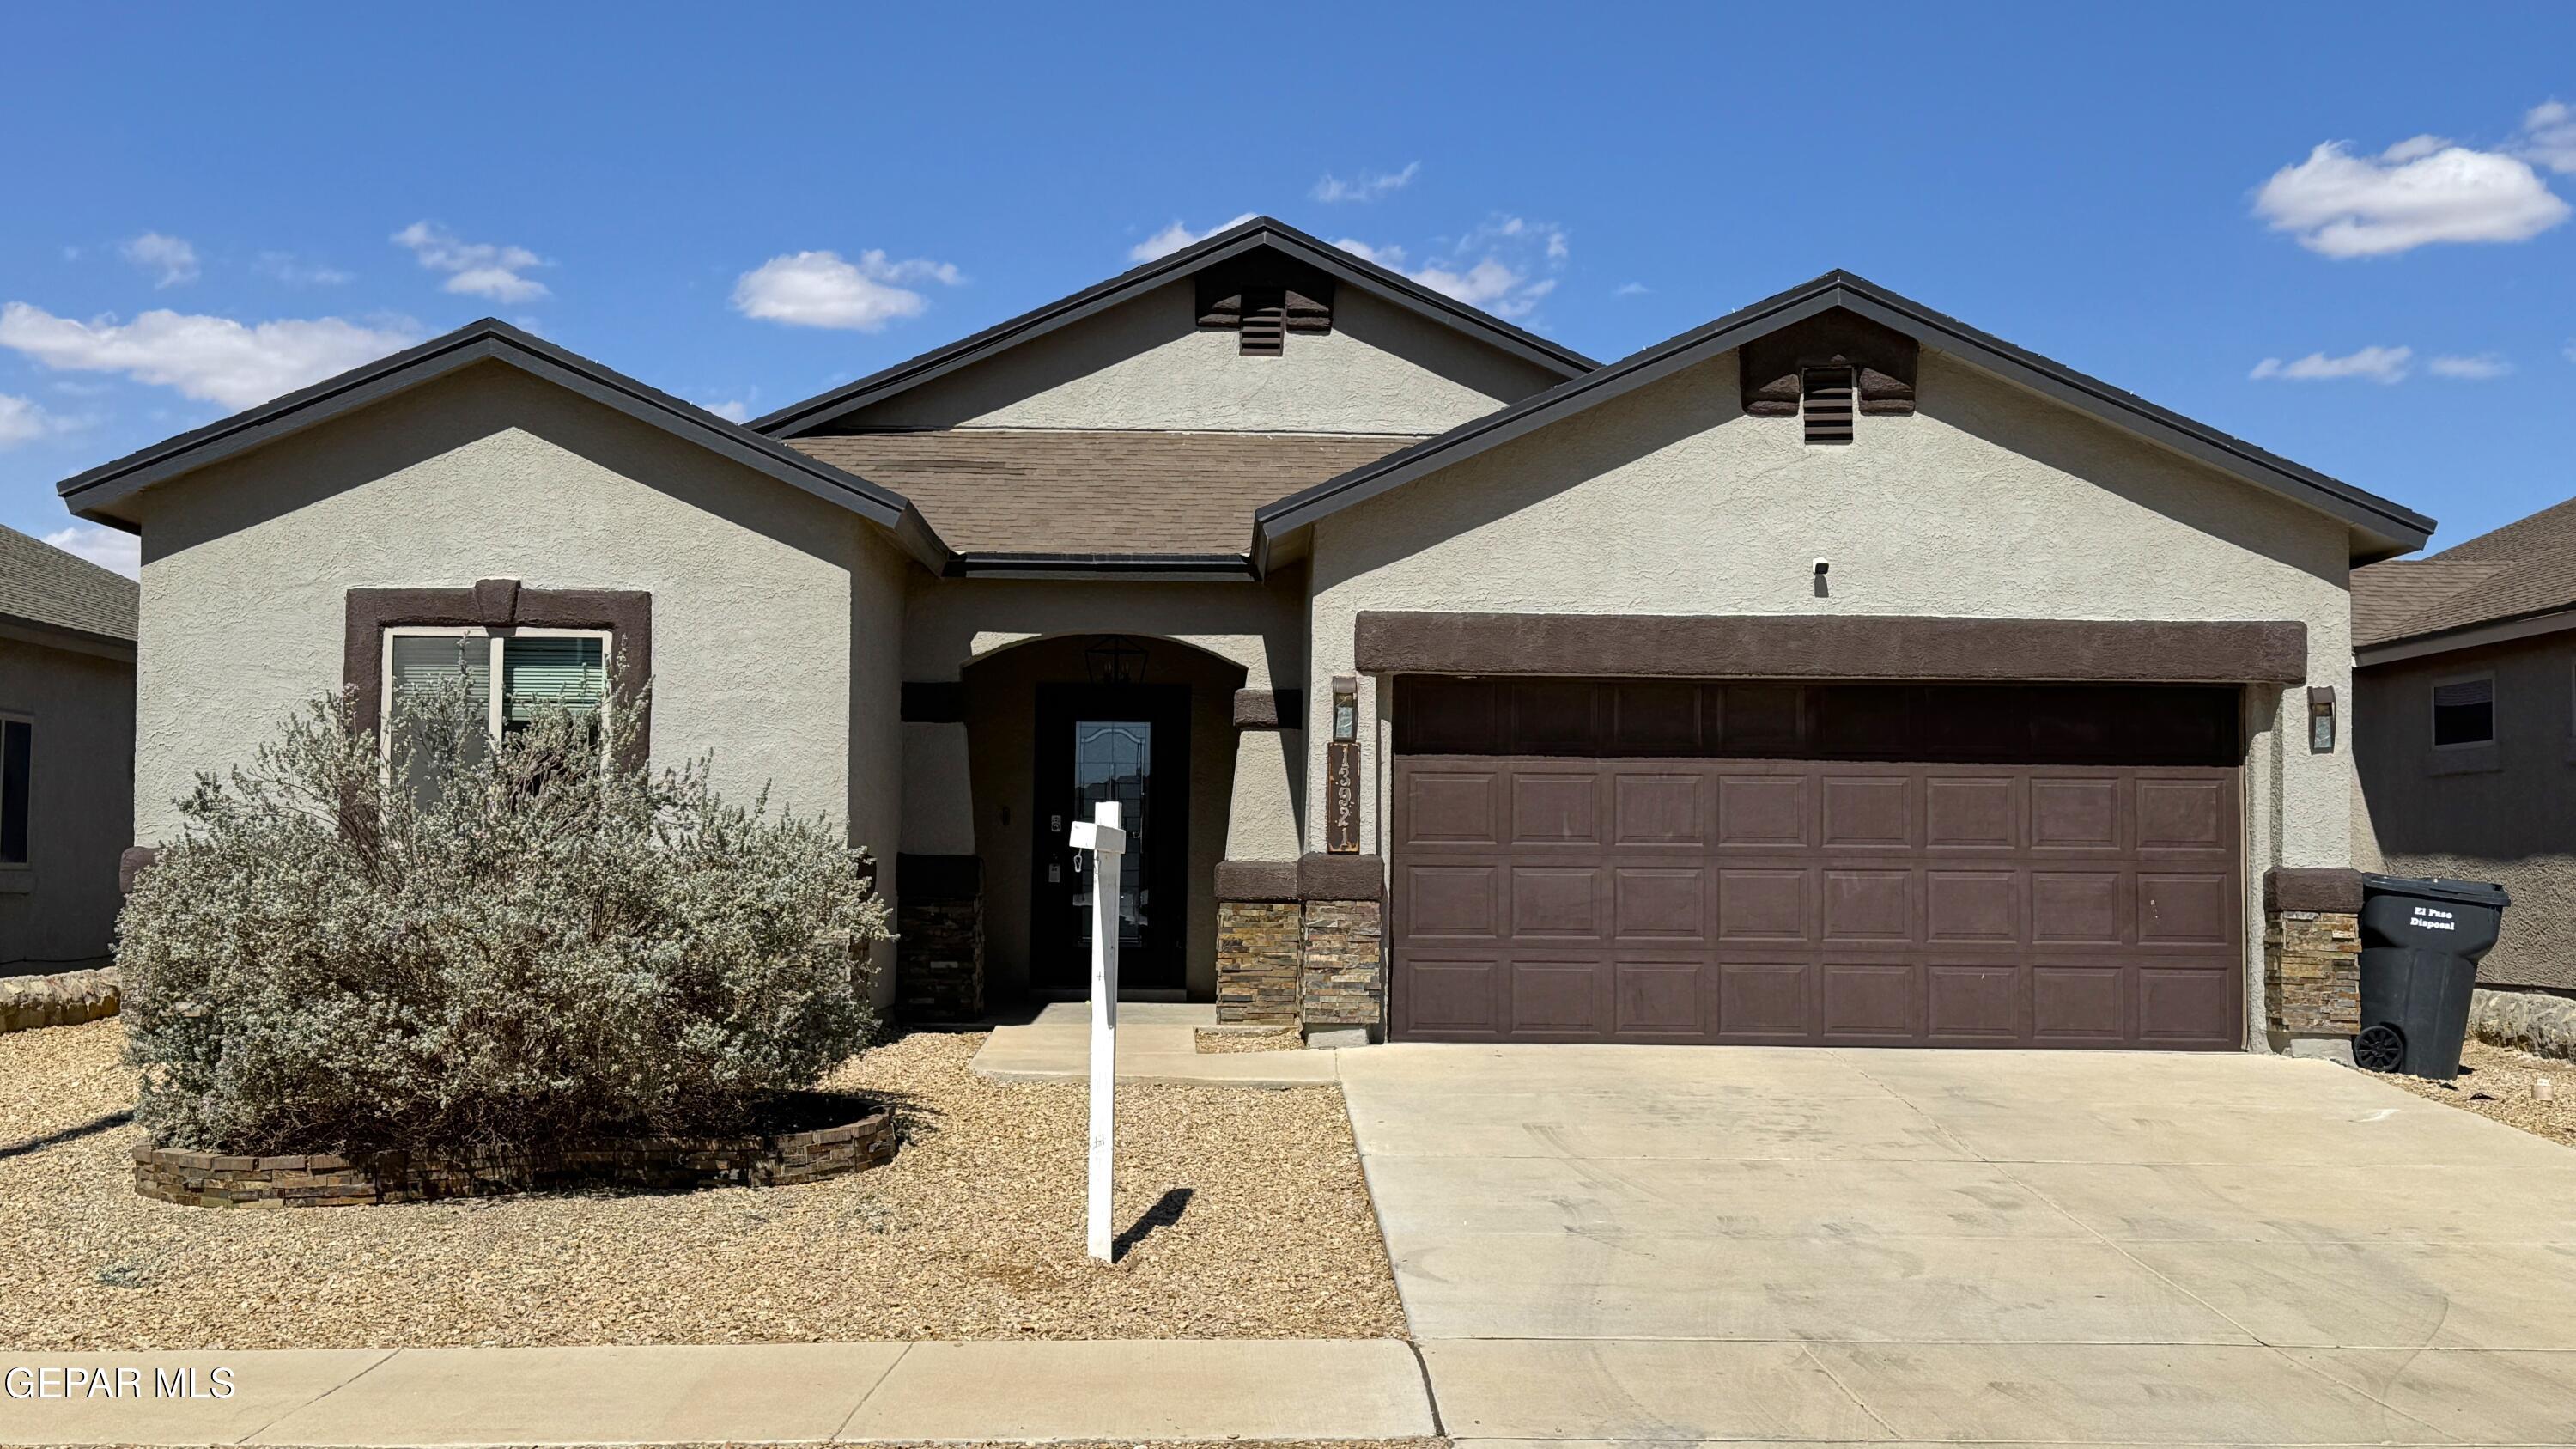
pixel 1129 743
pixel 1665 861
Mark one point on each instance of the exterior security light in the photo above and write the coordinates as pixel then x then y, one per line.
pixel 2321 720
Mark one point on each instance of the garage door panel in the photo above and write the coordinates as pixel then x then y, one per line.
pixel 1451 902
pixel 1868 813
pixel 1871 1003
pixel 1625 890
pixel 1972 907
pixel 1764 1000
pixel 1869 906
pixel 1659 810
pixel 1659 902
pixel 1452 806
pixel 1557 998
pixel 1556 901
pixel 1659 1000
pixel 1762 812
pixel 1976 1004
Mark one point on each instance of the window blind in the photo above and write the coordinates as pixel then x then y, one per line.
pixel 424 662
pixel 17 739
pixel 567 673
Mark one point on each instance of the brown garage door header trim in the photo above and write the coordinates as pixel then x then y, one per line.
pixel 1809 646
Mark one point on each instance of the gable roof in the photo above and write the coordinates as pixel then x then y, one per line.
pixel 49 592
pixel 2380 528
pixel 1256 234
pixel 2518 574
pixel 97 494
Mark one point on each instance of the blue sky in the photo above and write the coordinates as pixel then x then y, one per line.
pixel 745 205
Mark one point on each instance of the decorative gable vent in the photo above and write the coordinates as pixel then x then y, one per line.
pixel 1826 403
pixel 1265 296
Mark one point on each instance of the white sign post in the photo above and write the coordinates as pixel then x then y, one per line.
pixel 1101 836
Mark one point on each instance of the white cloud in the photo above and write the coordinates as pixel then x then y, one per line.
pixel 107 547
pixel 732 410
pixel 2569 351
pixel 296 272
pixel 1631 289
pixel 2478 368
pixel 170 256
pixel 2379 364
pixel 22 421
pixel 1501 265
pixel 1176 236
pixel 1367 186
pixel 2549 136
pixel 215 359
pixel 2416 192
pixel 819 289
pixel 474 269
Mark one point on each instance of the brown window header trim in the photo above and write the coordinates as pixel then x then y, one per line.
pixel 1814 646
pixel 627 614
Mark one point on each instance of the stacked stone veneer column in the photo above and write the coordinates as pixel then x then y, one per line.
pixel 2312 953
pixel 1301 943
pixel 939 938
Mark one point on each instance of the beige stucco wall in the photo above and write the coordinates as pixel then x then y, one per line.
pixel 2505 812
pixel 776 616
pixel 59 913
pixel 1146 364
pixel 1989 502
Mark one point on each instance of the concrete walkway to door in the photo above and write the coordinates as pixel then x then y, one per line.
pixel 1763 1245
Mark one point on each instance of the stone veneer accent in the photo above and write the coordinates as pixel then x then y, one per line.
pixel 939 938
pixel 200 1179
pixel 1344 981
pixel 66 998
pixel 2312 972
pixel 1257 956
pixel 2531 1021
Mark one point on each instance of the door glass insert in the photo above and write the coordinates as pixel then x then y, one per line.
pixel 1114 760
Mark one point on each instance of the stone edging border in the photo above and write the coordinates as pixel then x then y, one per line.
pixel 67 998
pixel 201 1179
pixel 2531 1021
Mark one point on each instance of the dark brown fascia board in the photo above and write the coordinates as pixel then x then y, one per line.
pixel 2530 624
pixel 1221 568
pixel 93 495
pixel 1892 647
pixel 2389 528
pixel 50 635
pixel 1252 235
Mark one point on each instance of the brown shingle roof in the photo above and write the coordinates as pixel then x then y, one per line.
pixel 2526 567
pixel 43 585
pixel 1077 491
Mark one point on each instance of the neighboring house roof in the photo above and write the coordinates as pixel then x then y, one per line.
pixel 97 494
pixel 46 591
pixel 996 494
pixel 1258 233
pixel 2380 528
pixel 2518 579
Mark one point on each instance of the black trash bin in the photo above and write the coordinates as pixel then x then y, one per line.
pixel 2420 945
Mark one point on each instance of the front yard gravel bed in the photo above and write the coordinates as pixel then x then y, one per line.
pixel 2497 1081
pixel 1245 1212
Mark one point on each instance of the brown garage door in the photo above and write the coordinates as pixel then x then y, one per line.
pixel 1660 861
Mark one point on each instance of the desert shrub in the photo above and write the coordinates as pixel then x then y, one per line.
pixel 486 944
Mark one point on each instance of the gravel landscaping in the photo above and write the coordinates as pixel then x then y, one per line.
pixel 2497 1082
pixel 1249 1220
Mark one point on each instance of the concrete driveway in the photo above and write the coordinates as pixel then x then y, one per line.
pixel 1797 1246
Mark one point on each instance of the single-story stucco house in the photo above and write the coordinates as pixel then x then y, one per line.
pixel 1833 673
pixel 66 754
pixel 2464 676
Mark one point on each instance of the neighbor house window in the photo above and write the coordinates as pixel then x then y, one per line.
pixel 534 669
pixel 17 756
pixel 2464 711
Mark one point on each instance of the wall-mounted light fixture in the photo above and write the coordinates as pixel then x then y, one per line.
pixel 2321 719
pixel 1346 707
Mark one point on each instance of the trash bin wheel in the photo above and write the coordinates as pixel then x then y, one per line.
pixel 2380 1048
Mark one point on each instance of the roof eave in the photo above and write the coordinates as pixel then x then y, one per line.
pixel 2557 618
pixel 2381 528
pixel 1259 232
pixel 1166 568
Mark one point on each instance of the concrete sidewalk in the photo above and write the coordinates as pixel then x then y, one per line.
pixel 1134 1390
